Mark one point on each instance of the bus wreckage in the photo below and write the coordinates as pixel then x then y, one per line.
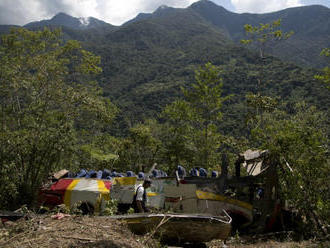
pixel 192 208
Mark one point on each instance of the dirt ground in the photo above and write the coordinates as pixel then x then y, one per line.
pixel 84 231
pixel 267 244
pixel 70 231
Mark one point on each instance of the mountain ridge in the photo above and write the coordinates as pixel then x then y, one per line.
pixel 311 25
pixel 63 19
pixel 146 62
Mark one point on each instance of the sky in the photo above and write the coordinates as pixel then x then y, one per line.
pixel 116 12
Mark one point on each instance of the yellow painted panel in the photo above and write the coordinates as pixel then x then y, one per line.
pixel 211 196
pixel 124 180
pixel 132 221
pixel 68 191
pixel 102 187
pixel 103 190
pixel 152 194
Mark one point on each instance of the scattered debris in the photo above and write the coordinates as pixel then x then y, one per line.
pixel 10 216
pixel 59 216
pixel 60 174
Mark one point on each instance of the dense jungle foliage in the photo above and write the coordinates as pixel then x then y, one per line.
pixel 178 95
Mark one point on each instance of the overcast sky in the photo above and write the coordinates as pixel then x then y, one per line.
pixel 116 12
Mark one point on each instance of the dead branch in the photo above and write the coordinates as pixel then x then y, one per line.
pixel 162 222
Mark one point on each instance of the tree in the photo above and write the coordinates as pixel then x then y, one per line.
pixel 102 151
pixel 193 121
pixel 297 142
pixel 177 142
pixel 139 151
pixel 46 91
pixel 262 37
pixel 298 146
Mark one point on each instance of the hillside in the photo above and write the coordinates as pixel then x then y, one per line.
pixel 311 26
pixel 147 60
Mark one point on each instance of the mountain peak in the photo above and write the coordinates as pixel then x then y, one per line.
pixel 221 4
pixel 63 19
pixel 61 15
pixel 162 9
pixel 204 2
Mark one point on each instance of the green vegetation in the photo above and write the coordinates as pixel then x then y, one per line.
pixel 47 98
pixel 297 141
pixel 262 37
pixel 298 144
pixel 264 34
pixel 325 77
pixel 140 150
pixel 309 23
pixel 111 207
pixel 56 112
pixel 193 121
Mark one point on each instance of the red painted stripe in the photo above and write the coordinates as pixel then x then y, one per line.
pixel 61 185
pixel 107 184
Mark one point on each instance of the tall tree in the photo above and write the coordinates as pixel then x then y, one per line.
pixel 46 90
pixel 262 37
pixel 177 139
pixel 198 115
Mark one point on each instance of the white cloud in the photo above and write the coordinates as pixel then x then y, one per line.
pixel 118 11
pixel 20 11
pixel 113 11
pixel 263 6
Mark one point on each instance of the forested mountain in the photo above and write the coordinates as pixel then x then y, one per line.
pixel 311 25
pixel 146 60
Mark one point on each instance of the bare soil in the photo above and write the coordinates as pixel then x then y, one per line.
pixel 70 231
